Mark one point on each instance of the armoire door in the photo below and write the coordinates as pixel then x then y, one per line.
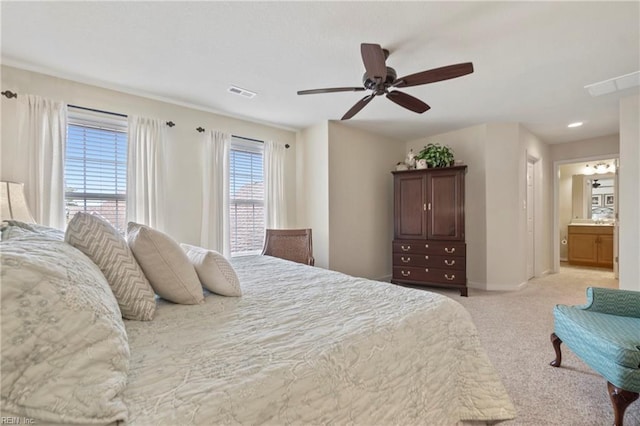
pixel 445 204
pixel 410 191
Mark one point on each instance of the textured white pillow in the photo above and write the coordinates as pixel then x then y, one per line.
pixel 65 355
pixel 101 242
pixel 215 272
pixel 166 266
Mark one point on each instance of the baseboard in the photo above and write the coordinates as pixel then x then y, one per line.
pixel 476 285
pixel 386 278
pixel 564 259
pixel 503 287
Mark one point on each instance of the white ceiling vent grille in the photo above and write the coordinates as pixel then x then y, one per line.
pixel 241 92
pixel 614 84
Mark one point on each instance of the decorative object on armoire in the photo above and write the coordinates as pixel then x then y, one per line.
pixel 429 246
pixel 411 159
pixel 436 155
pixel 422 164
pixel 14 203
pixel 401 166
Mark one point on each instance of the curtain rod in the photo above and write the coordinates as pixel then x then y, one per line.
pixel 201 129
pixel 9 94
pixel 98 110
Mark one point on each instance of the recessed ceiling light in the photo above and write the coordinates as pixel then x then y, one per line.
pixel 576 124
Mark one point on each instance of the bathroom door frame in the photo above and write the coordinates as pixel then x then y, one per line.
pixel 556 201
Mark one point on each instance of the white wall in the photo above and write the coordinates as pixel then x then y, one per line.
pixel 608 146
pixel 184 183
pixel 629 193
pixel 361 201
pixel 345 194
pixel 505 257
pixel 313 188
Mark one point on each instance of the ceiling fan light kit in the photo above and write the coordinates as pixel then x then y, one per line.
pixel 382 80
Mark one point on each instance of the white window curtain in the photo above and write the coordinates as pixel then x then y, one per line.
pixel 42 132
pixel 146 171
pixel 215 192
pixel 275 201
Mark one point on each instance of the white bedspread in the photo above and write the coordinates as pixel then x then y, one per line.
pixel 308 346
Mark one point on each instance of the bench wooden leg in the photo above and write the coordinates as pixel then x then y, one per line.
pixel 620 399
pixel 556 342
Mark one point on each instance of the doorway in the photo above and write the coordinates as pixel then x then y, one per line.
pixel 585 194
pixel 531 244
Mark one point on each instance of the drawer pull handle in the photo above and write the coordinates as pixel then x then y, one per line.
pixel 405 260
pixel 450 278
pixel 450 250
pixel 407 248
pixel 405 274
pixel 426 257
pixel 426 269
pixel 426 246
pixel 449 262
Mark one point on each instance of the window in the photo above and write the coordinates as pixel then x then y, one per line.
pixel 95 170
pixel 246 197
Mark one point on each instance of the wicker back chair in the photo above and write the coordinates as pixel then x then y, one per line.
pixel 291 244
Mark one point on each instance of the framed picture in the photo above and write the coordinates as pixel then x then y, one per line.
pixel 596 200
pixel 608 200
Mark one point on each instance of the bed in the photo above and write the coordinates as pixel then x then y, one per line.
pixel 303 345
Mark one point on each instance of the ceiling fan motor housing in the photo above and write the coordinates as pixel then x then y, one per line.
pixel 373 85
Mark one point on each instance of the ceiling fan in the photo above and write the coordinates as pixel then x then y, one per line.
pixel 381 79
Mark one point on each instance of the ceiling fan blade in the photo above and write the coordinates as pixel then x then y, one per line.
pixel 374 61
pixel 331 90
pixel 436 74
pixel 409 102
pixel 358 106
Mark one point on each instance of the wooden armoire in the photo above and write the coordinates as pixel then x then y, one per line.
pixel 429 246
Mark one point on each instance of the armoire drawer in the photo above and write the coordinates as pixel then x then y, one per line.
pixel 427 275
pixel 450 248
pixel 430 260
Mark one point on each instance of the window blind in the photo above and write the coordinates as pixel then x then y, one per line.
pixel 96 166
pixel 246 197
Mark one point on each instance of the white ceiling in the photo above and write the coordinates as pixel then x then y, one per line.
pixel 531 59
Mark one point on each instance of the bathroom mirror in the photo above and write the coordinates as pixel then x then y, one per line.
pixel 593 196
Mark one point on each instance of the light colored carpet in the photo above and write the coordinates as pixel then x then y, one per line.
pixel 515 327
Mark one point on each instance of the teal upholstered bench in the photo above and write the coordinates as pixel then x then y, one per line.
pixel 605 334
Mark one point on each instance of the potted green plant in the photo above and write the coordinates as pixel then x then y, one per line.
pixel 436 155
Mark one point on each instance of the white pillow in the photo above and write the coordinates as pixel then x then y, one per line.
pixel 215 272
pixel 166 266
pixel 101 242
pixel 65 355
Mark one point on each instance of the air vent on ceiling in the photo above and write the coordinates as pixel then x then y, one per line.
pixel 241 92
pixel 614 84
